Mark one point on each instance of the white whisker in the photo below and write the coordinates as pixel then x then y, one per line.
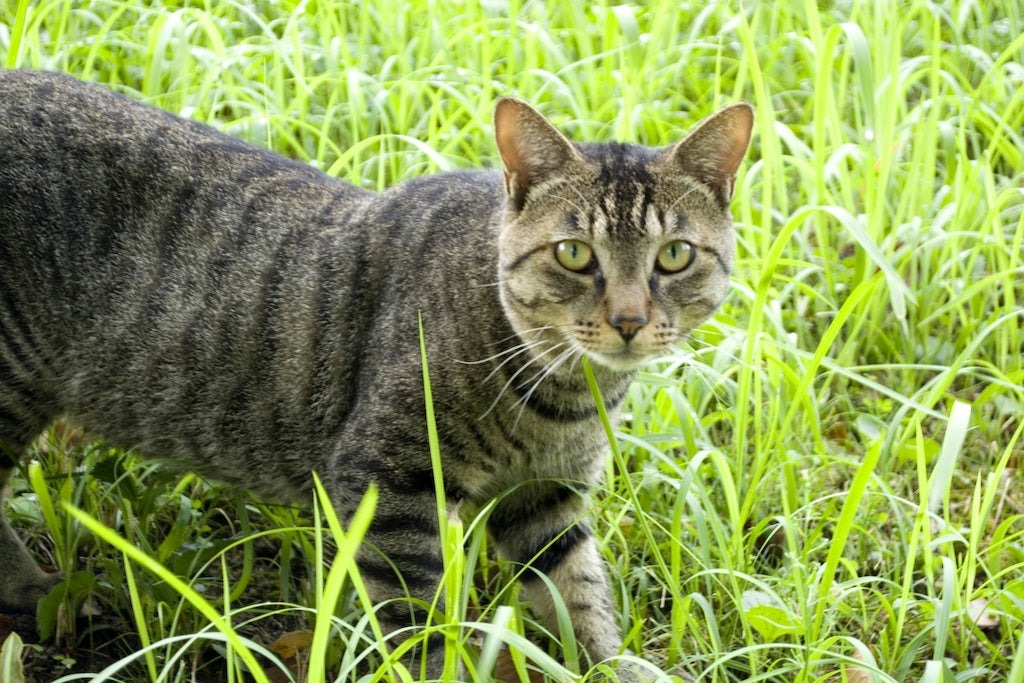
pixel 499 283
pixel 511 349
pixel 539 377
pixel 512 379
pixel 690 358
pixel 568 201
pixel 523 348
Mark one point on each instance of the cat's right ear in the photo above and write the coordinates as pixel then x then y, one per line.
pixel 532 150
pixel 714 150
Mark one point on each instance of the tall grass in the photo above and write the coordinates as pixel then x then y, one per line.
pixel 826 483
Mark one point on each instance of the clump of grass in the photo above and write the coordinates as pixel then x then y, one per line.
pixel 826 482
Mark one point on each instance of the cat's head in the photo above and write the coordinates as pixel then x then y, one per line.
pixel 615 250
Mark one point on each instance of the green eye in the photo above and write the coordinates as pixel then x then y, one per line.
pixel 676 256
pixel 574 255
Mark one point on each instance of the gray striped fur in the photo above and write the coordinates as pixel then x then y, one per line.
pixel 176 290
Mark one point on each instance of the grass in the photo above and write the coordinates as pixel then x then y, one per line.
pixel 824 486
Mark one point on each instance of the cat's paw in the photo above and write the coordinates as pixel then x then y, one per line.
pixel 24 596
pixel 632 669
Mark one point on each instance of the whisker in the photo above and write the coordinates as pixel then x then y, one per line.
pixel 511 349
pixel 572 186
pixel 709 347
pixel 497 283
pixel 539 377
pixel 575 189
pixel 690 358
pixel 512 379
pixel 564 199
pixel 523 349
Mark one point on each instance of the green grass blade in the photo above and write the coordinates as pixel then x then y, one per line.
pixel 11 670
pixel 195 599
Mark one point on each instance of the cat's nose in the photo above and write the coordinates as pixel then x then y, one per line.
pixel 627 325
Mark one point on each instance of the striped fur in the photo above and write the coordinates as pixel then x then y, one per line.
pixel 173 289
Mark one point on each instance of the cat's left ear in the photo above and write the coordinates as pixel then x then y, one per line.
pixel 532 150
pixel 714 150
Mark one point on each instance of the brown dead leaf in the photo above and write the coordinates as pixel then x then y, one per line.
pixel 291 644
pixel 986 621
pixel 505 670
pixel 66 435
pixel 291 648
pixel 857 674
pixel 275 675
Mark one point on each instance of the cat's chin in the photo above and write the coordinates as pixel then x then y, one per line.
pixel 623 361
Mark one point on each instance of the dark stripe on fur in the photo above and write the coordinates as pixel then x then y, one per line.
pixel 719 258
pixel 417 572
pixel 550 554
pixel 401 612
pixel 532 502
pixel 522 258
pixel 564 414
pixel 390 523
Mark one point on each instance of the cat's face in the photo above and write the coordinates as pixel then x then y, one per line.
pixel 615 251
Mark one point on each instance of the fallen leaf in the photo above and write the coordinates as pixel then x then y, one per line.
pixel 986 621
pixel 290 648
pixel 505 670
pixel 858 674
pixel 291 644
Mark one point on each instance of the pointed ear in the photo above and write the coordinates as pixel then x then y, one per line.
pixel 713 151
pixel 531 148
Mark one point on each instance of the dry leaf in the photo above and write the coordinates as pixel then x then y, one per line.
pixel 275 675
pixel 979 614
pixel 857 674
pixel 290 648
pixel 291 644
pixel 505 670
pixel 986 621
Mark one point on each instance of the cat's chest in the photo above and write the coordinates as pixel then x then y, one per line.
pixel 531 449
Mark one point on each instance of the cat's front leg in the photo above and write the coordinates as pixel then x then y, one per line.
pixel 541 525
pixel 400 561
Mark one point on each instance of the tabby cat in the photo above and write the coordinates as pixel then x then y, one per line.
pixel 176 290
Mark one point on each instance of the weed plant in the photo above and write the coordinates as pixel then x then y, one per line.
pixel 824 484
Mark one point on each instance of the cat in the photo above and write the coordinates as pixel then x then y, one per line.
pixel 174 289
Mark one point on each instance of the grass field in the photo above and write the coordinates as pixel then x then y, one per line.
pixel 825 485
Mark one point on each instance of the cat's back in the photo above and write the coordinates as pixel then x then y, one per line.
pixel 49 115
pixel 62 139
pixel 152 268
pixel 96 184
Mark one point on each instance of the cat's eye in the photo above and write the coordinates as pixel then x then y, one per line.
pixel 676 256
pixel 574 255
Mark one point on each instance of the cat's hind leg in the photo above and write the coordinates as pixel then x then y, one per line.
pixel 22 582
